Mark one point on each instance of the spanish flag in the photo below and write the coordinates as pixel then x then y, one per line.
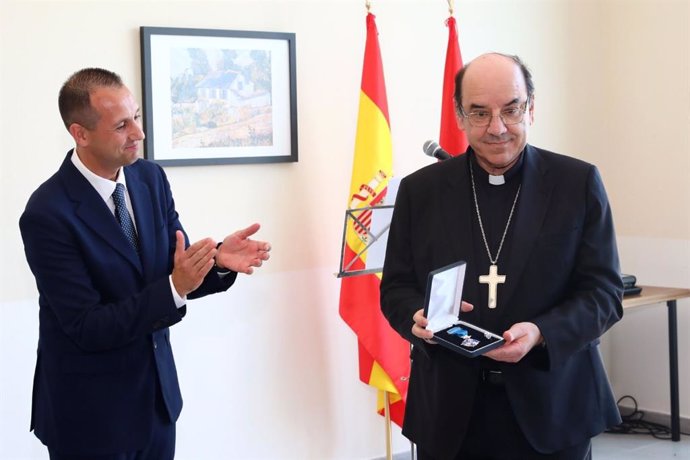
pixel 452 139
pixel 383 355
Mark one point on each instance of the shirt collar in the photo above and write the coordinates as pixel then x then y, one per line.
pixel 513 172
pixel 104 187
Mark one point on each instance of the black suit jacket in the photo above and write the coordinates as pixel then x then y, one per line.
pixel 104 345
pixel 562 274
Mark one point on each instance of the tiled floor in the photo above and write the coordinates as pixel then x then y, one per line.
pixel 635 447
pixel 627 447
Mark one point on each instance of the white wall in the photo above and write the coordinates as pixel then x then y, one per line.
pixel 643 134
pixel 613 88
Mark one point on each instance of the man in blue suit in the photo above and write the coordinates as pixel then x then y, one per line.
pixel 536 231
pixel 114 270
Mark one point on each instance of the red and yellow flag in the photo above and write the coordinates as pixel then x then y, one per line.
pixel 452 139
pixel 383 355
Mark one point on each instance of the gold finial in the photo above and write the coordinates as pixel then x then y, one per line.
pixel 450 7
pixel 368 5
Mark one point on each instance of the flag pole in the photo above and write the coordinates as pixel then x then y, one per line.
pixel 387 407
pixel 386 394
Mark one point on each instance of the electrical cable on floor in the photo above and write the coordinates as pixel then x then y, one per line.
pixel 633 423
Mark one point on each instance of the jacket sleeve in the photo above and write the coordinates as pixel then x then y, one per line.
pixel 213 282
pixel 401 295
pixel 593 303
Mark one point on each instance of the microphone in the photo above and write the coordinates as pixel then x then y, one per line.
pixel 432 149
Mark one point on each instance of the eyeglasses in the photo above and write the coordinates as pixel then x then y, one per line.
pixel 509 116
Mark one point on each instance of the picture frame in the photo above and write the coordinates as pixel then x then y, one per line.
pixel 218 96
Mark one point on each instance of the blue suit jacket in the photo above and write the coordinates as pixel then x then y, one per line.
pixel 104 345
pixel 563 275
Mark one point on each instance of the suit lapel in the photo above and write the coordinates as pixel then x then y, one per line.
pixel 94 213
pixel 457 216
pixel 535 194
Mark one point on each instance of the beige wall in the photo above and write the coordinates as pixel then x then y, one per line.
pixel 647 124
pixel 613 88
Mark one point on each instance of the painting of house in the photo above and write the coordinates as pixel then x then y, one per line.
pixel 221 98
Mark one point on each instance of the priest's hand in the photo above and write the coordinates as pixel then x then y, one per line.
pixel 420 323
pixel 419 327
pixel 520 339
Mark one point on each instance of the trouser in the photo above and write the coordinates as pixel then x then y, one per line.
pixel 494 434
pixel 161 446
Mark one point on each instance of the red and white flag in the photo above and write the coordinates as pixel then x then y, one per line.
pixel 452 139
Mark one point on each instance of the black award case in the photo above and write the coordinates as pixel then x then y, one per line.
pixel 442 308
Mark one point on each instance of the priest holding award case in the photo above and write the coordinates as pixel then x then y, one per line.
pixel 441 309
pixel 502 271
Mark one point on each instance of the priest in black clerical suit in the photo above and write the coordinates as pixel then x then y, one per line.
pixel 544 222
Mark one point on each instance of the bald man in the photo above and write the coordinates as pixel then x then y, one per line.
pixel 536 231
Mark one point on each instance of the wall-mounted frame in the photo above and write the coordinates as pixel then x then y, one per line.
pixel 218 96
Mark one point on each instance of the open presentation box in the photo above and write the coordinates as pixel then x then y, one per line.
pixel 442 308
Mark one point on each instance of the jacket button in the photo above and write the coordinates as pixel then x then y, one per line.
pixel 155 345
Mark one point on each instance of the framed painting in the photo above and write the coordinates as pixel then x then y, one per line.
pixel 218 96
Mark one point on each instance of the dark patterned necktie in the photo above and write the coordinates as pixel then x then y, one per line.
pixel 123 216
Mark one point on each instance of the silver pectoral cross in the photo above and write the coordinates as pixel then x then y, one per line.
pixel 493 279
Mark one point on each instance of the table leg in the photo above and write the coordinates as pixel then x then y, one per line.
pixel 673 366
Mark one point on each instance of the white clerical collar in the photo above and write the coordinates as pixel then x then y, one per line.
pixel 104 187
pixel 500 179
pixel 497 180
